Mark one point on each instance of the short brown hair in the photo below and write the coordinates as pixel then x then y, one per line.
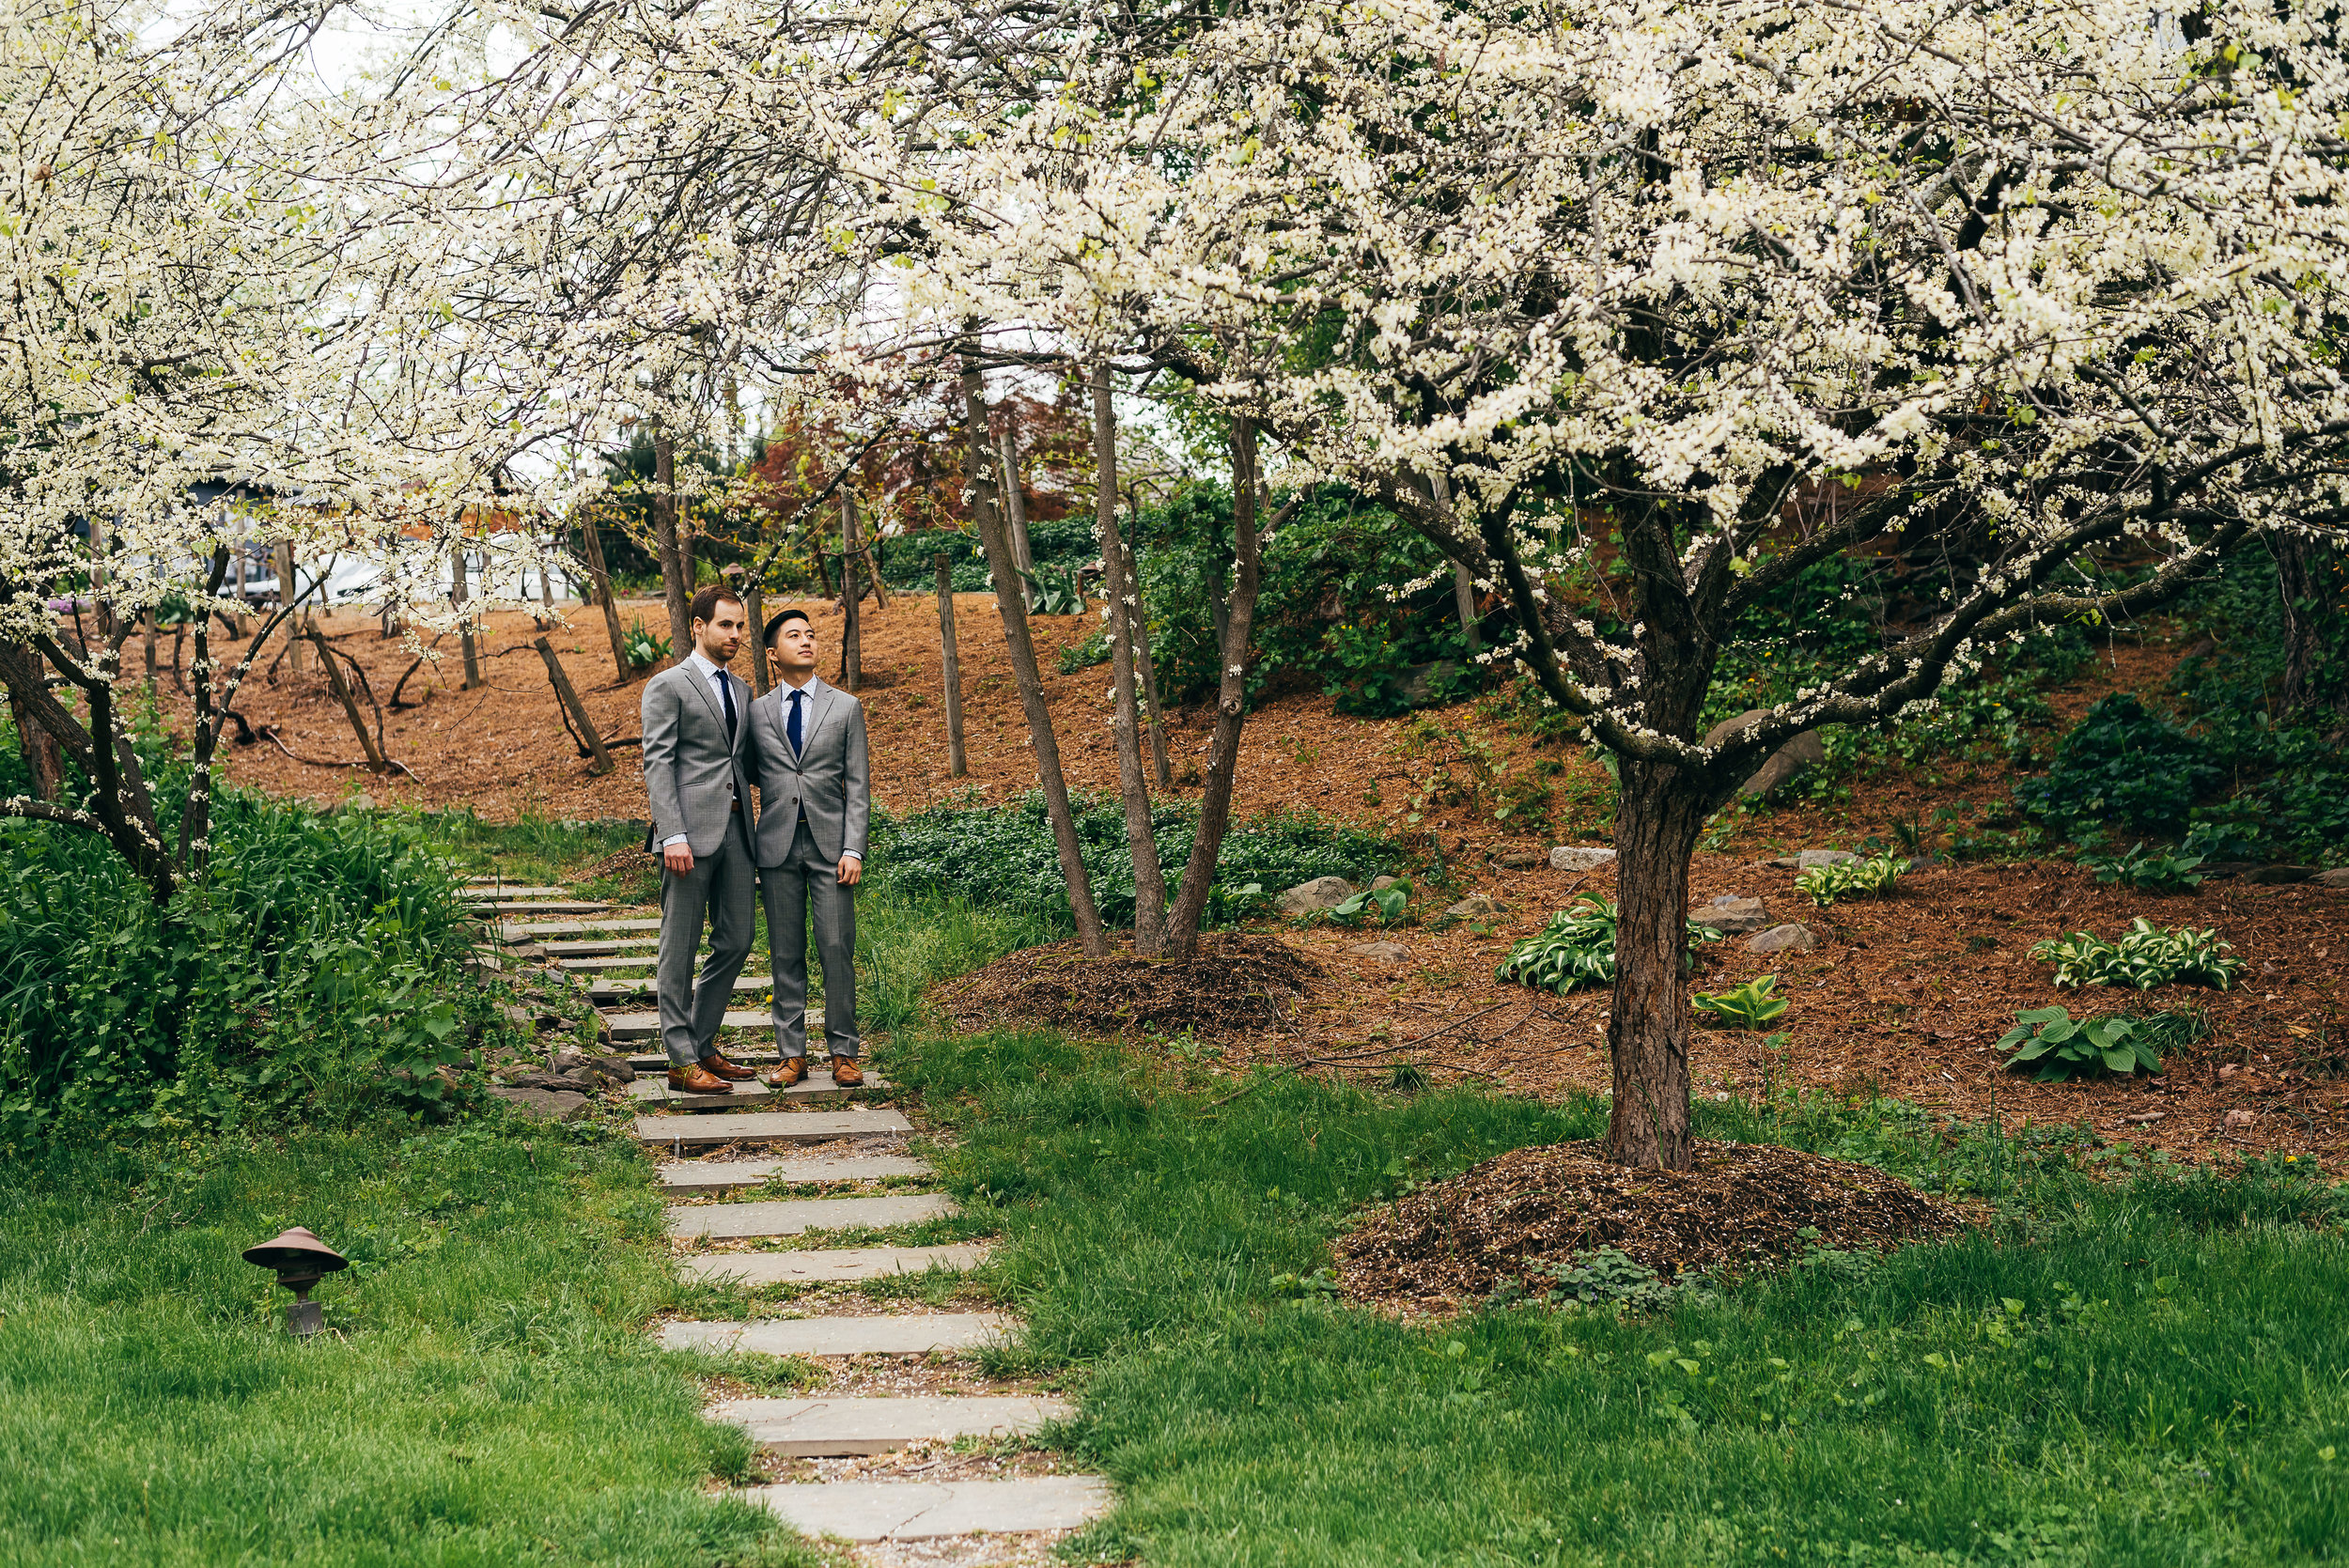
pixel 706 602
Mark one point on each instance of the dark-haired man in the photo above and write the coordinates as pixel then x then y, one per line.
pixel 695 744
pixel 815 783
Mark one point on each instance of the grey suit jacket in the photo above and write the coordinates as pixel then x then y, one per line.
pixel 691 776
pixel 830 779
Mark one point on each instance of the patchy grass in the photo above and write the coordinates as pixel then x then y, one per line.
pixel 2132 1365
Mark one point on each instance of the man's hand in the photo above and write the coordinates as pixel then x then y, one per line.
pixel 850 869
pixel 679 858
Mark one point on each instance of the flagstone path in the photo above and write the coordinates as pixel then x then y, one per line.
pixel 817 1425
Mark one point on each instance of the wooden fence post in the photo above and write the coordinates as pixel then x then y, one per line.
pixel 598 758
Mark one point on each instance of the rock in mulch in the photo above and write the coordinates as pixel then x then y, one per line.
pixel 1476 906
pixel 1579 857
pixel 1790 937
pixel 1322 893
pixel 2336 877
pixel 1746 1206
pixel 1733 915
pixel 1386 953
pixel 1237 985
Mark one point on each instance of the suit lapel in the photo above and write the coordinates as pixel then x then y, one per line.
pixel 820 697
pixel 700 683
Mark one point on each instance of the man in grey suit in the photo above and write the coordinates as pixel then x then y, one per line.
pixel 696 744
pixel 814 793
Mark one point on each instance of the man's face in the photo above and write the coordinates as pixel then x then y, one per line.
pixel 719 636
pixel 795 649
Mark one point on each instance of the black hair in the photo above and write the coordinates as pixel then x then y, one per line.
pixel 792 615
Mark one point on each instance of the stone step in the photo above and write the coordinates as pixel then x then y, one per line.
pixel 814 1089
pixel 832 1427
pixel 637 990
pixel 912 1334
pixel 836 1263
pixel 768 1127
pixel 536 931
pixel 649 942
pixel 646 1026
pixel 797 1215
pixel 928 1510
pixel 536 906
pixel 512 890
pixel 691 1176
pixel 644 960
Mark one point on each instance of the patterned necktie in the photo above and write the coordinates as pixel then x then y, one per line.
pixel 725 695
pixel 793 728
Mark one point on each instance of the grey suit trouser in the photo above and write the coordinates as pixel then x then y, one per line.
pixel 718 889
pixel 807 877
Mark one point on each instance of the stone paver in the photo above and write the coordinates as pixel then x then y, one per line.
pixel 794 1216
pixel 835 1263
pixel 914 1334
pixel 632 989
pixel 649 942
pixel 923 1511
pixel 814 1089
pixel 831 1427
pixel 534 931
pixel 768 1126
pixel 478 890
pixel 646 1026
pixel 685 1176
pixel 642 959
pixel 536 906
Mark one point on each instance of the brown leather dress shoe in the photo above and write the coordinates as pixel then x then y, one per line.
pixel 717 1066
pixel 786 1073
pixel 846 1073
pixel 692 1081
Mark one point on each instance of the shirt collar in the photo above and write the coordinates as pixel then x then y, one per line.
pixel 707 668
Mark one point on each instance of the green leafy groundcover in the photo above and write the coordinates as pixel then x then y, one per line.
pixel 319 964
pixel 1005 855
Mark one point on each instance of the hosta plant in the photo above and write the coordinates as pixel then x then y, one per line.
pixel 1384 904
pixel 2146 870
pixel 2145 957
pixel 1749 1006
pixel 1578 948
pixel 2060 1046
pixel 1871 877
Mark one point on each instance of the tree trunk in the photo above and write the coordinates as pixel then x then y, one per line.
pixel 2311 579
pixel 464 623
pixel 147 632
pixel 598 758
pixel 676 585
pixel 995 539
pixel 603 579
pixel 285 596
pixel 1657 822
pixel 43 758
pixel 343 694
pixel 1160 765
pixel 851 626
pixel 1464 600
pixel 1231 703
pixel 755 639
pixel 1016 510
pixel 1149 877
pixel 955 764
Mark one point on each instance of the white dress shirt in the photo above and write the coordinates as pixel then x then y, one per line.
pixel 715 676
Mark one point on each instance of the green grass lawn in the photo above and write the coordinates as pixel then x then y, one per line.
pixel 2147 1368
pixel 487 1396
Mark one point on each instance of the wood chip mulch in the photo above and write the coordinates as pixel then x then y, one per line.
pixel 1237 984
pixel 1744 1206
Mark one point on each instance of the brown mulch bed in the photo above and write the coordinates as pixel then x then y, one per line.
pixel 1746 1205
pixel 1237 983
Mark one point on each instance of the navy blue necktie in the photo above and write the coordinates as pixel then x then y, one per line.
pixel 725 692
pixel 793 728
